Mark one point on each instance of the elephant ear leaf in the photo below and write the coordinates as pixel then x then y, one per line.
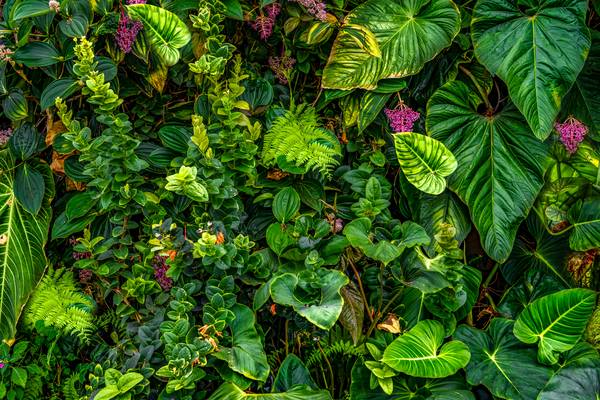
pixel 165 32
pixel 521 42
pixel 23 236
pixel 418 352
pixel 408 34
pixel 425 162
pixel 556 322
pixel 584 216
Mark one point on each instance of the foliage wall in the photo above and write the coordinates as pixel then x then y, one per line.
pixel 299 199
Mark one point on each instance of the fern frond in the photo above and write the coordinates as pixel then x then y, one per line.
pixel 297 136
pixel 340 348
pixel 59 303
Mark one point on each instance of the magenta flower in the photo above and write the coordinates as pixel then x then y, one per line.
pixel 160 272
pixel 5 135
pixel 2 365
pixel 315 8
pixel 127 32
pixel 572 132
pixel 402 118
pixel 264 23
pixel 282 66
pixel 136 2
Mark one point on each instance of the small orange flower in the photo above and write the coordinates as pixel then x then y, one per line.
pixel 220 238
pixel 273 309
pixel 171 254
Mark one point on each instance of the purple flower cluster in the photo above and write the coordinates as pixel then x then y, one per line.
pixel 315 8
pixel 85 275
pixel 127 32
pixel 5 134
pixel 136 2
pixel 402 118
pixel 282 66
pixel 160 272
pixel 571 133
pixel 78 255
pixel 338 225
pixel 264 23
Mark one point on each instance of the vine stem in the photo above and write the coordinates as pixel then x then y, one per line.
pixel 380 314
pixel 478 86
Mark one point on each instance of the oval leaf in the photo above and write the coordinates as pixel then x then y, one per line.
pixel 29 188
pixel 286 204
pixel 37 54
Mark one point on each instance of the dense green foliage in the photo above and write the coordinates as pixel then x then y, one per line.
pixel 299 199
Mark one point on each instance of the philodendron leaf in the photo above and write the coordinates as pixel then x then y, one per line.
pixel 556 322
pixel 229 391
pixel 500 163
pixel 325 310
pixel 418 352
pixel 501 363
pixel 585 218
pixel 425 162
pixel 536 48
pixel 408 35
pixel 166 33
pixel 22 240
pixel 292 372
pixel 247 355
pixel 577 378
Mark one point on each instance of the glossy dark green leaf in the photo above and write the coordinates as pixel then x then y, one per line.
pixel 484 146
pixel 229 391
pixel 37 54
pixel 29 9
pixel 29 188
pixel 79 205
pixel 64 227
pixel 371 105
pixel 175 137
pixel 62 88
pixel 522 43
pixel 25 141
pixel 292 372
pixel 286 204
pixel 584 216
pixel 75 26
pixel 14 106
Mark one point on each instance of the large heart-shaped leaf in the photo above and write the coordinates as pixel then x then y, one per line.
pixel 22 240
pixel 557 321
pixel 577 378
pixel 229 391
pixel 425 162
pixel 500 163
pixel 325 310
pixel 247 355
pixel 501 363
pixel 418 352
pixel 166 33
pixel 537 48
pixel 409 34
pixel 585 219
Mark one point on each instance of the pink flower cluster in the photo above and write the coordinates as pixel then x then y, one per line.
pixel 5 53
pixel 315 8
pixel 264 23
pixel 127 32
pixel 160 272
pixel 571 133
pixel 282 66
pixel 85 275
pixel 54 5
pixel 5 134
pixel 402 118
pixel 136 1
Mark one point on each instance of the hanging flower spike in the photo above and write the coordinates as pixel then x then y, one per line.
pixel 264 23
pixel 282 67
pixel 160 272
pixel 54 5
pixel 130 2
pixel 402 118
pixel 127 32
pixel 572 132
pixel 273 10
pixel 315 8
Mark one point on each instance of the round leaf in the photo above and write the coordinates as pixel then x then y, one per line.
pixel 286 204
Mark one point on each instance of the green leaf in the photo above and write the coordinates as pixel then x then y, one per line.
pixel 556 322
pixel 425 162
pixel 286 204
pixel 165 32
pixel 278 238
pixel 29 9
pixel 501 363
pixel 18 376
pixel 22 240
pixel 357 233
pixel 521 43
pixel 107 393
pixel 364 38
pixel 371 104
pixel 292 372
pixel 409 34
pixel 15 106
pixel 64 227
pixel 25 141
pixel 577 378
pixel 62 88
pixel 37 54
pixel 353 312
pixel 74 26
pixel 229 391
pixel 418 352
pixel 247 355
pixel 500 164
pixel 128 381
pixel 29 188
pixel 175 137
pixel 584 216
pixel 326 308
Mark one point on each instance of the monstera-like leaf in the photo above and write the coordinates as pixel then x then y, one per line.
pixel 324 309
pixel 22 239
pixel 537 48
pixel 500 163
pixel 418 352
pixel 501 363
pixel 555 322
pixel 409 34
pixel 165 32
pixel 425 162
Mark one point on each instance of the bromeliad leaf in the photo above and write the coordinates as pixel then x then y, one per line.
pixel 425 162
pixel 22 240
pixel 522 43
pixel 409 34
pixel 557 321
pixel 166 33
pixel 501 363
pixel 418 353
pixel 500 163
